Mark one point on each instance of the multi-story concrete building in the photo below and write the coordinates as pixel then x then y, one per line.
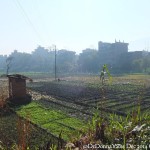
pixel 111 52
pixel 116 55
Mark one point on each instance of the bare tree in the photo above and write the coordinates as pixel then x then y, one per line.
pixel 8 63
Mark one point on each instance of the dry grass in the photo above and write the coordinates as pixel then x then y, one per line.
pixel 134 79
pixel 3 93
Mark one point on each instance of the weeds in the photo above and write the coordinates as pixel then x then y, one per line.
pixel 23 127
pixel 133 130
pixel 3 97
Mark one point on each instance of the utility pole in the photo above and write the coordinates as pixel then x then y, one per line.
pixel 55 61
pixel 53 47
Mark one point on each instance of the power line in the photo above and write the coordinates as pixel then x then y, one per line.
pixel 55 61
pixel 43 23
pixel 18 4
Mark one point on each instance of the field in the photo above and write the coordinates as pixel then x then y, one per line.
pixel 68 105
pixel 83 95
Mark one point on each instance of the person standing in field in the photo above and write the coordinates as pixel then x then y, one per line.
pixel 102 76
pixel 103 72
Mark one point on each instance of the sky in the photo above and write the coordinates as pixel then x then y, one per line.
pixel 73 24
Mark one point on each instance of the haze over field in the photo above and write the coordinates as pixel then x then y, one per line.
pixel 73 24
pixel 74 74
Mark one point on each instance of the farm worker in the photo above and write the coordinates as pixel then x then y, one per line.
pixel 103 72
pixel 102 76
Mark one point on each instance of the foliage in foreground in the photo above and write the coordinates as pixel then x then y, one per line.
pixel 132 130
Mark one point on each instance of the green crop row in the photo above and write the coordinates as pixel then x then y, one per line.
pixel 53 120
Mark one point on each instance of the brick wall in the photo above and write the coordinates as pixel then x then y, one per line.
pixel 17 87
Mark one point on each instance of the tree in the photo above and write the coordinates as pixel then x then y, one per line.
pixel 88 61
pixel 137 65
pixel 146 63
pixel 8 63
pixel 66 61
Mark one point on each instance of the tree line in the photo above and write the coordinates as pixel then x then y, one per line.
pixel 89 61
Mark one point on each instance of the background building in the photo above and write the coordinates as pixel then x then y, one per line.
pixel 110 52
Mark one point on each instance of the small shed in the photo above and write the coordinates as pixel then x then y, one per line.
pixel 17 89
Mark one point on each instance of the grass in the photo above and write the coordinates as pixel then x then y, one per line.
pixel 53 120
pixel 11 129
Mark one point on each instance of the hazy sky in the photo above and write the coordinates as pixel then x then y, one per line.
pixel 73 24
